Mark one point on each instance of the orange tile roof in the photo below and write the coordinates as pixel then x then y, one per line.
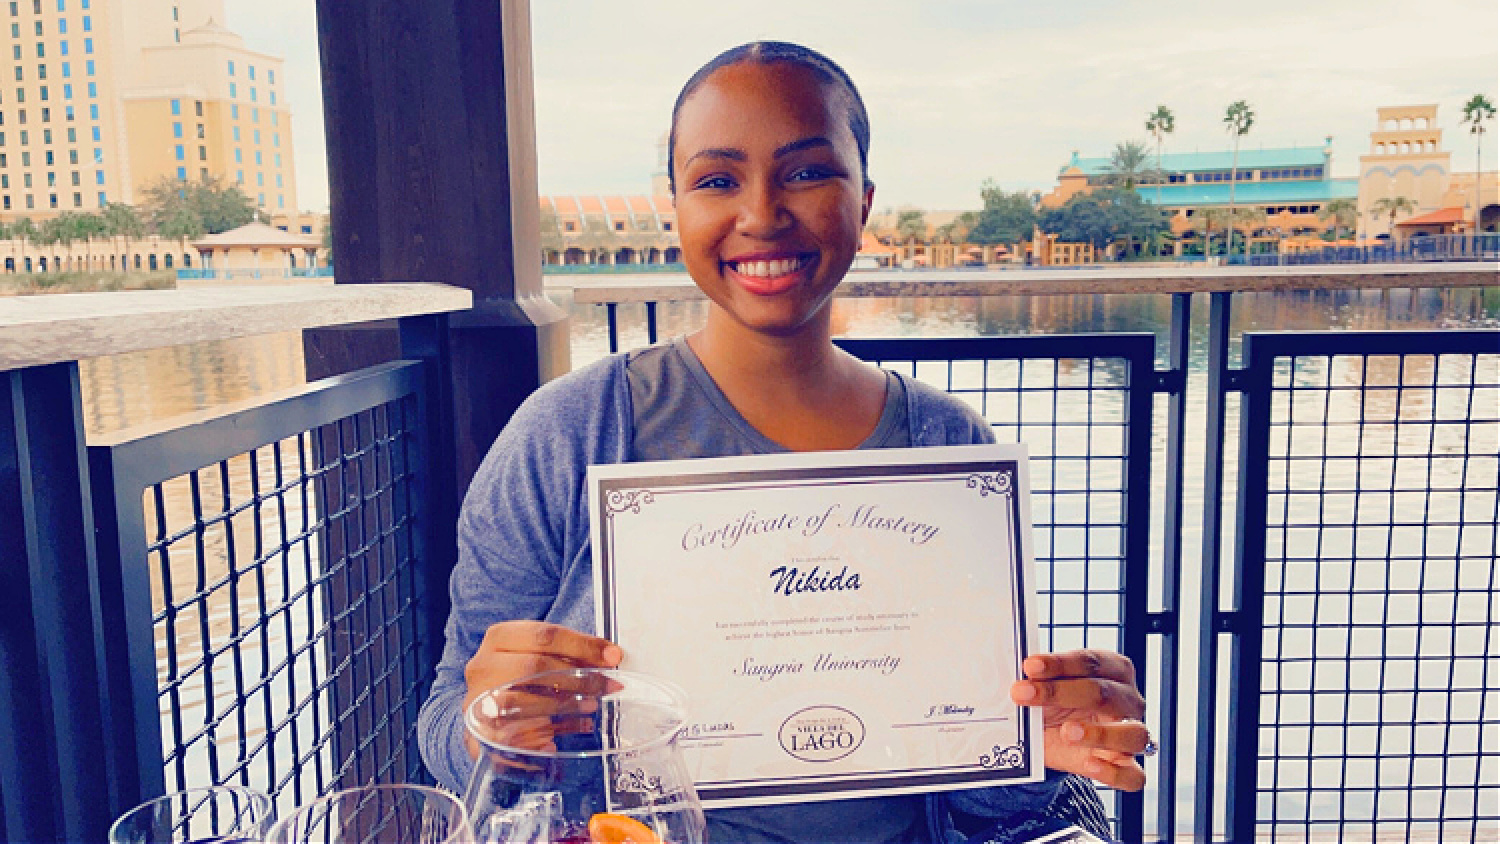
pixel 663 204
pixel 1442 216
pixel 615 204
pixel 639 204
pixel 870 245
pixel 565 204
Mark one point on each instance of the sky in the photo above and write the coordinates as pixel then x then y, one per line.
pixel 961 91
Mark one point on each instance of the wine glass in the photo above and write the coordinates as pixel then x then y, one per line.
pixel 377 814
pixel 580 756
pixel 226 814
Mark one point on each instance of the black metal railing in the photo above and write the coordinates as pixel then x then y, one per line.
pixel 265 605
pixel 1366 675
pixel 1036 388
pixel 1440 247
pixel 1083 405
pixel 263 600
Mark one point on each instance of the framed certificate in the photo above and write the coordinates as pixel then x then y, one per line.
pixel 845 624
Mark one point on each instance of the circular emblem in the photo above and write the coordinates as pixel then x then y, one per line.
pixel 822 733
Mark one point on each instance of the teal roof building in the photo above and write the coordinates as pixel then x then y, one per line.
pixel 1287 176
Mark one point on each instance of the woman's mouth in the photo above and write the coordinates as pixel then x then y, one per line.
pixel 767 276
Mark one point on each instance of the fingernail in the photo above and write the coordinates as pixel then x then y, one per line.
pixel 1024 692
pixel 1034 665
pixel 612 655
pixel 1073 732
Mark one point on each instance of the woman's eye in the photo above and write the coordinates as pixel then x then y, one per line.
pixel 714 183
pixel 809 174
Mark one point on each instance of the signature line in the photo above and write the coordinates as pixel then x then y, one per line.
pixel 721 735
pixel 949 723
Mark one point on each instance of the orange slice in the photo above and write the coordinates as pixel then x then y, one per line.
pixel 608 828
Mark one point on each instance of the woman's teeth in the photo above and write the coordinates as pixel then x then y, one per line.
pixel 768 269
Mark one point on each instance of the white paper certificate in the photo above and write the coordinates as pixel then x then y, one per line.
pixel 845 624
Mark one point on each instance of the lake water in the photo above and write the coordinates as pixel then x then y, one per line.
pixel 143 389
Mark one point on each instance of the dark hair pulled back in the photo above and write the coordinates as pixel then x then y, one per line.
pixel 769 52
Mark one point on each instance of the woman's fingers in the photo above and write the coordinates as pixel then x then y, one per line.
pixel 1116 770
pixel 545 638
pixel 1122 737
pixel 513 650
pixel 1086 662
pixel 491 670
pixel 1105 698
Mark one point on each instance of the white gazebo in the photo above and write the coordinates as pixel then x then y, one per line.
pixel 256 251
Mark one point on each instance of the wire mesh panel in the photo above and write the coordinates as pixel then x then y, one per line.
pixel 284 593
pixel 1082 406
pixel 1378 684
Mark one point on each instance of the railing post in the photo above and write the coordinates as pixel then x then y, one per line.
pixel 1213 507
pixel 423 338
pixel 127 647
pixel 53 755
pixel 1135 607
pixel 1179 344
pixel 1248 589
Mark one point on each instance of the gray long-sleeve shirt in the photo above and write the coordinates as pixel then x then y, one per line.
pixel 524 553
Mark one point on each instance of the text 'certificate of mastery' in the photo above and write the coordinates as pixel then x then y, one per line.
pixel 845 624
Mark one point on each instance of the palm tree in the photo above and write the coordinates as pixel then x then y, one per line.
pixel 1391 206
pixel 911 227
pixel 1245 220
pixel 1478 111
pixel 1128 165
pixel 1237 119
pixel 23 229
pixel 122 221
pixel 1206 220
pixel 1160 124
pixel 1343 212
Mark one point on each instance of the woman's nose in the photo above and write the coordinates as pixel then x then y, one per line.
pixel 763 211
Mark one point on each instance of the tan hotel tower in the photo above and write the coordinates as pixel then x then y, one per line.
pixel 104 97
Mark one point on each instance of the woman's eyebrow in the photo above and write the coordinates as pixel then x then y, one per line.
pixel 805 143
pixel 717 152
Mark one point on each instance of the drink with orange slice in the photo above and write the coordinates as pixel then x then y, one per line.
pixel 586 756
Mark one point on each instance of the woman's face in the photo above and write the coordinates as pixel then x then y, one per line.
pixel 770 195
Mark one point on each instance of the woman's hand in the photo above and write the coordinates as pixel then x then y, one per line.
pixel 515 649
pixel 1091 713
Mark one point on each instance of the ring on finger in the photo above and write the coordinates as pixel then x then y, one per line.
pixel 1151 748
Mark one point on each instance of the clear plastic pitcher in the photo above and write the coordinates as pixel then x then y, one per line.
pixel 587 755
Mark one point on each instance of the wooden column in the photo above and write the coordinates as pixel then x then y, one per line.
pixel 432 177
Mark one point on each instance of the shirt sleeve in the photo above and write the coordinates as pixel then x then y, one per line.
pixel 522 524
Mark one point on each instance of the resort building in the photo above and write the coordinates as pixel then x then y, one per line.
pixel 1407 159
pixel 1288 186
pixel 257 251
pixel 608 230
pixel 110 97
pixel 1291 188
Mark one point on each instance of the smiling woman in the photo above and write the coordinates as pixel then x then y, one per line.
pixel 768 144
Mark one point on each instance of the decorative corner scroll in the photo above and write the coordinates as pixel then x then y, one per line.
pixel 998 483
pixel 1010 757
pixel 619 501
pixel 636 780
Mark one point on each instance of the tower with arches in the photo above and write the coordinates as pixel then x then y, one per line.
pixel 1406 158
